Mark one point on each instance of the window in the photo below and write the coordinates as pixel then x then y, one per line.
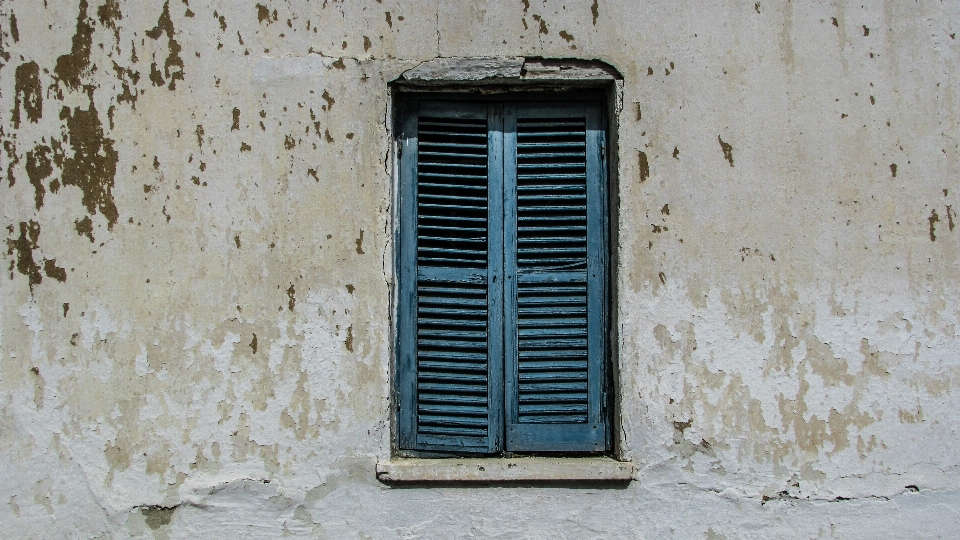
pixel 502 275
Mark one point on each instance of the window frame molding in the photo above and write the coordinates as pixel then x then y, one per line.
pixel 603 85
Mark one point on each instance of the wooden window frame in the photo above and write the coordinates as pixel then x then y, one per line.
pixel 546 441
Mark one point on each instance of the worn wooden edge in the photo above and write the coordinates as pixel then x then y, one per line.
pixel 528 469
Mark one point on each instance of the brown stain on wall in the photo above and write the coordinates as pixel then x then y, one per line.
pixel 933 219
pixel 23 247
pixel 14 29
pixel 84 227
pixel 644 167
pixel 543 25
pixel 108 14
pixel 173 65
pixel 51 269
pixel 13 159
pixel 727 150
pixel 263 14
pixel 360 243
pixel 93 166
pixel 126 76
pixel 27 93
pixel 329 99
pixel 70 67
pixel 38 169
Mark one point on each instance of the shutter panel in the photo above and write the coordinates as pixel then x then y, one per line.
pixel 449 327
pixel 555 281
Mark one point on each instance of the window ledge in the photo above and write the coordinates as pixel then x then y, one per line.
pixel 531 469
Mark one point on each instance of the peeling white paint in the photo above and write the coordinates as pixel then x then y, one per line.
pixel 214 360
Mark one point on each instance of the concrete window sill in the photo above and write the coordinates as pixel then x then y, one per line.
pixel 532 469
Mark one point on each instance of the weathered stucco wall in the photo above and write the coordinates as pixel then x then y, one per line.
pixel 196 302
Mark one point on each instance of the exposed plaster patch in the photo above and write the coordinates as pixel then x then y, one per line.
pixel 38 390
pixel 466 69
pixel 294 69
pixel 157 516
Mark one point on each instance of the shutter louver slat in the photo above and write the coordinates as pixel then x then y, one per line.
pixel 554 373
pixel 501 296
pixel 551 323
pixel 451 325
pixel 551 235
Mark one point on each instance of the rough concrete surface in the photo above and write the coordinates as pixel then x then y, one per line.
pixel 197 205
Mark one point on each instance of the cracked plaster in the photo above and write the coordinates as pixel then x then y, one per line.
pixel 195 333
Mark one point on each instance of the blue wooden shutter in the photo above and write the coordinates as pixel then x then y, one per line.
pixel 555 259
pixel 449 366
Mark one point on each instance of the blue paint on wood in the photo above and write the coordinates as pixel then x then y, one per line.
pixel 502 277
